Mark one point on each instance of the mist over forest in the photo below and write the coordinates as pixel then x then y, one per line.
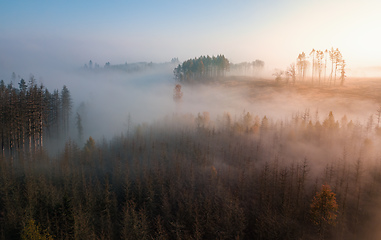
pixel 190 119
pixel 199 149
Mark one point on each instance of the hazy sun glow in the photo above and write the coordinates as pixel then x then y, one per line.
pixel 190 119
pixel 273 31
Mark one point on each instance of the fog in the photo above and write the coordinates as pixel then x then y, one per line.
pixel 107 98
pixel 134 119
pixel 240 155
pixel 110 97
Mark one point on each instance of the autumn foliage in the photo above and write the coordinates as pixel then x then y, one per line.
pixel 324 208
pixel 177 93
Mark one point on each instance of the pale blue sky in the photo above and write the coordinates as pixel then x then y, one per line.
pixel 36 34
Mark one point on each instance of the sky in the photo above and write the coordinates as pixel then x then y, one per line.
pixel 38 35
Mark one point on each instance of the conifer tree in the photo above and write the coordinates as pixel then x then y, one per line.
pixel 66 105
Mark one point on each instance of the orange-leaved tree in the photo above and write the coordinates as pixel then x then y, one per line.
pixel 177 93
pixel 324 209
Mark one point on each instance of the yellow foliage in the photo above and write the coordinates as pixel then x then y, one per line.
pixel 324 207
pixel 33 231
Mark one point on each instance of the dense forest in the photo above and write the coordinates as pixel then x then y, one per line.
pixel 204 67
pixel 192 177
pixel 30 115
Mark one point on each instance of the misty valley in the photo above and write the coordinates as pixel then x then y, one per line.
pixel 203 149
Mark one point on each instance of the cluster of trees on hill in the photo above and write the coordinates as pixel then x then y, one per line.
pixel 29 113
pixel 188 177
pixel 319 65
pixel 204 67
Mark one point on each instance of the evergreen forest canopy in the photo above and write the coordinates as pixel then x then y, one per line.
pixel 206 67
pixel 191 70
pixel 188 176
pixel 201 68
pixel 30 115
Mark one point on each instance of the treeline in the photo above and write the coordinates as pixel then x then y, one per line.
pixel 191 177
pixel 247 68
pixel 30 113
pixel 128 67
pixel 320 61
pixel 202 68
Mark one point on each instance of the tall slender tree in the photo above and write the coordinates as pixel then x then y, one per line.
pixel 319 56
pixel 66 109
pixel 342 72
pixel 313 63
pixel 338 58
pixel 325 64
pixel 302 65
pixel 79 127
pixel 332 58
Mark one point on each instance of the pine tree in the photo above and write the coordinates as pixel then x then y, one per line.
pixel 66 105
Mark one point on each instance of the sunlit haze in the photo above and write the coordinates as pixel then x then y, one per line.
pixel 250 119
pixel 63 34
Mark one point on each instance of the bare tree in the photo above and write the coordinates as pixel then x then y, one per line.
pixel 291 72
pixel 278 75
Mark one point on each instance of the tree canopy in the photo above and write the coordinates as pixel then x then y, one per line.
pixel 204 67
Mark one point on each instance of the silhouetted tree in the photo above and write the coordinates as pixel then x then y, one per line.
pixel 291 72
pixel 313 63
pixel 342 72
pixel 66 103
pixel 302 65
pixel 319 56
pixel 325 64
pixel 79 127
pixel 278 75
pixel 177 93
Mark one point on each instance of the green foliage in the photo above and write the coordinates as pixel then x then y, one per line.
pixel 202 68
pixel 30 115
